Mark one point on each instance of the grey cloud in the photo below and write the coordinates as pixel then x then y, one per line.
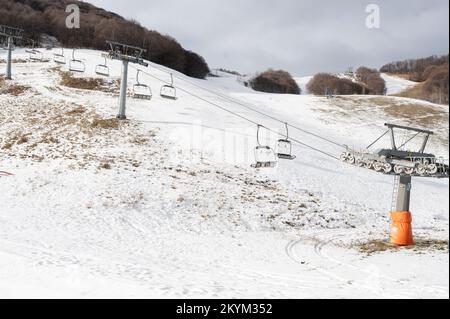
pixel 301 36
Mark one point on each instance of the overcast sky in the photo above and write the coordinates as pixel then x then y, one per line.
pixel 301 36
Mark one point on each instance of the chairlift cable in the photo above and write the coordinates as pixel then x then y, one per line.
pixel 410 139
pixel 375 142
pixel 240 116
pixel 253 109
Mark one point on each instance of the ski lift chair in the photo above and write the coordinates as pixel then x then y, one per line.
pixel 264 155
pixel 169 91
pixel 59 57
pixel 284 147
pixel 141 91
pixel 102 69
pixel 35 55
pixel 76 65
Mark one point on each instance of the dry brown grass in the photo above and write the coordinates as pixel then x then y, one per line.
pixel 15 139
pixel 68 80
pixel 15 89
pixel 415 92
pixel 140 140
pixel 80 83
pixel 111 124
pixel 76 111
pixel 105 165
pixel 46 130
pixel 22 61
pixel 420 246
pixel 420 114
pixel 423 115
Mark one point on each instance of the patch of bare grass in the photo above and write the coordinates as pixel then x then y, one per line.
pixel 92 84
pixel 22 61
pixel 77 111
pixel 414 92
pixel 105 165
pixel 421 246
pixel 17 89
pixel 12 88
pixel 67 79
pixel 420 114
pixel 15 139
pixel 112 123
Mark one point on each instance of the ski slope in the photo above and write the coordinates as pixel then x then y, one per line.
pixel 396 85
pixel 167 206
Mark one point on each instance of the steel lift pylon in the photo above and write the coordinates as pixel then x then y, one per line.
pixel 127 54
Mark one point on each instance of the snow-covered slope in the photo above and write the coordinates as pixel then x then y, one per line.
pixel 166 204
pixel 303 82
pixel 396 84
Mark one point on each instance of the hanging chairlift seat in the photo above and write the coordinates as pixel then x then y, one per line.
pixel 59 57
pixel 141 91
pixel 284 147
pixel 284 150
pixel 102 69
pixel 265 157
pixel 169 91
pixel 36 55
pixel 76 65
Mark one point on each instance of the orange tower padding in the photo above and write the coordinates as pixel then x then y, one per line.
pixel 401 229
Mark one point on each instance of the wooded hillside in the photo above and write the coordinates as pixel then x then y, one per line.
pixel 39 17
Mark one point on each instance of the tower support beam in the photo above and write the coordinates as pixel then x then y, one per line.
pixel 123 92
pixel 404 194
pixel 127 54
pixel 9 49
pixel 401 228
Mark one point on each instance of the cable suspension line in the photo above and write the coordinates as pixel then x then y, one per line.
pixel 251 108
pixel 240 116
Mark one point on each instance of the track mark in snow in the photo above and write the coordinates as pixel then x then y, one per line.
pixel 365 277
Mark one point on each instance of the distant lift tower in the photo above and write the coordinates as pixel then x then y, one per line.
pixel 126 54
pixel 10 34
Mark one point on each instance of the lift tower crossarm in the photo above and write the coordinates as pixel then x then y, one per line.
pixel 411 129
pixel 128 53
pixel 11 32
pixel 417 130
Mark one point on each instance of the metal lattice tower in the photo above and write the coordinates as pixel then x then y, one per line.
pixel 126 54
pixel 10 34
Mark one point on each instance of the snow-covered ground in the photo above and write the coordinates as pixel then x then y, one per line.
pixel 166 205
pixel 303 82
pixel 396 84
